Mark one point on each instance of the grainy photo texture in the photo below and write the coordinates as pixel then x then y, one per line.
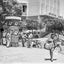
pixel 31 31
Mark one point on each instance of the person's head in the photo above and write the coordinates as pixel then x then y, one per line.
pixel 52 36
pixel 56 37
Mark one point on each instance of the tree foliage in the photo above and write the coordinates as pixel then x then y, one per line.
pixel 56 27
pixel 11 8
pixel 32 24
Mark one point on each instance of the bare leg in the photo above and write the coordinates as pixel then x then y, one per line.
pixel 23 42
pixel 51 55
pixel 8 43
pixel 60 47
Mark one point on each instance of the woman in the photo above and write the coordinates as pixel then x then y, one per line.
pixel 49 45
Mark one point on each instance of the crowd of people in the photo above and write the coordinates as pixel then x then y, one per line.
pixel 26 39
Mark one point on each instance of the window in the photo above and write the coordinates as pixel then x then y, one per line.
pixel 24 8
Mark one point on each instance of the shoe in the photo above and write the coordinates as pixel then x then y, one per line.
pixel 51 60
pixel 7 46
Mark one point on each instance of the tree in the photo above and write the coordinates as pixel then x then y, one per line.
pixel 18 10
pixel 56 27
pixel 32 24
pixel 11 7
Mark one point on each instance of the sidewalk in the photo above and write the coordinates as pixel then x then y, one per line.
pixel 30 55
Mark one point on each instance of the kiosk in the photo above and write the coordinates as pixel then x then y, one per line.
pixel 12 34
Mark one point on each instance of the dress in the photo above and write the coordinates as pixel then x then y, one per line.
pixel 49 44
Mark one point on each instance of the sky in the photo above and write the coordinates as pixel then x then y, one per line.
pixel 62 8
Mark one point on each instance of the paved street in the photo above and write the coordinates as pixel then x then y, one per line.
pixel 31 55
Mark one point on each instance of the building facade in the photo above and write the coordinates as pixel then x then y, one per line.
pixel 35 8
pixel 41 7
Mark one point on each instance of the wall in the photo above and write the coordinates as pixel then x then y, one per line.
pixel 33 7
pixel 41 7
pixel 54 7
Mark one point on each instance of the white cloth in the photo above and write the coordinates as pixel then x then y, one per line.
pixel 30 36
pixel 8 39
pixel 4 34
pixel 4 40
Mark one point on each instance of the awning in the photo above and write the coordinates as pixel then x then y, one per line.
pixel 12 17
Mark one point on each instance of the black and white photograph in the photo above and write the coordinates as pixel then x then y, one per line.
pixel 31 31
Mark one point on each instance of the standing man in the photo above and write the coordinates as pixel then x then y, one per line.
pixel 1 32
pixel 23 39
